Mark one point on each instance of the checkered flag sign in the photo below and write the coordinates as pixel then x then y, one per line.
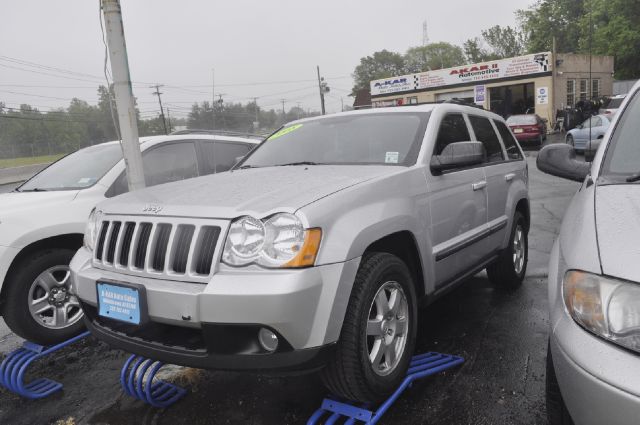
pixel 543 60
pixel 416 78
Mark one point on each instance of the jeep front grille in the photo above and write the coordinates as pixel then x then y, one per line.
pixel 159 247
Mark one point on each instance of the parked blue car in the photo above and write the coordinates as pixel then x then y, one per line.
pixel 594 127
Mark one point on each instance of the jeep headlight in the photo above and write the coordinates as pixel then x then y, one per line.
pixel 610 308
pixel 277 241
pixel 91 230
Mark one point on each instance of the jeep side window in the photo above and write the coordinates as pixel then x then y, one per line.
pixel 509 141
pixel 453 128
pixel 221 156
pixel 162 164
pixel 487 135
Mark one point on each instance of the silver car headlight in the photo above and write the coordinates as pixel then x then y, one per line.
pixel 277 241
pixel 91 230
pixel 608 307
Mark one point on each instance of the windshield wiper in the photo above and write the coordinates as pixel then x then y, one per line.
pixel 35 189
pixel 300 163
pixel 244 167
pixel 633 178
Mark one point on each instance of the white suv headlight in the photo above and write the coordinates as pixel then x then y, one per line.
pixel 91 230
pixel 278 241
pixel 610 308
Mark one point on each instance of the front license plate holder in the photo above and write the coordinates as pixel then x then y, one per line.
pixel 123 302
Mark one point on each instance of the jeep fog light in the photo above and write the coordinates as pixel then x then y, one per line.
pixel 607 307
pixel 268 340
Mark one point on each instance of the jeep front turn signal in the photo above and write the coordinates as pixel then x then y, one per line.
pixel 306 257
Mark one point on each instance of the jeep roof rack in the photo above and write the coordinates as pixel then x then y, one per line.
pixel 217 133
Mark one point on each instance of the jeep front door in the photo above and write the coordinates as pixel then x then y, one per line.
pixel 458 206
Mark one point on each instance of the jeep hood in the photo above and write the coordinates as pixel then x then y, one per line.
pixel 618 229
pixel 257 191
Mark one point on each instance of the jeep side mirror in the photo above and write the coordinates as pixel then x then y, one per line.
pixel 458 155
pixel 560 160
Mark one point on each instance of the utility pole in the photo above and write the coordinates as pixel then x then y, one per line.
pixel 256 123
pixel 341 103
pixel 169 119
pixel 283 100
pixel 157 93
pixel 124 95
pixel 298 104
pixel 213 99
pixel 322 86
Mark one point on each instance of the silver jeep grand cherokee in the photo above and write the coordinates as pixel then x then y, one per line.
pixel 314 252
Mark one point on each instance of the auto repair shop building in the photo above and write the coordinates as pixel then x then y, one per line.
pixel 534 83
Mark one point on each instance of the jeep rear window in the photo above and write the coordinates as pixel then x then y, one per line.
pixel 375 138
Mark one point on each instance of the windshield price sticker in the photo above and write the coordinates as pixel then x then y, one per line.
pixel 391 158
pixel 284 131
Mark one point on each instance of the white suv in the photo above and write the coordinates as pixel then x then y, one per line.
pixel 42 221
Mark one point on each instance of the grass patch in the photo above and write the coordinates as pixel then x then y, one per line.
pixel 18 162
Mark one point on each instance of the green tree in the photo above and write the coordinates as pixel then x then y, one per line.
pixel 609 26
pixel 547 19
pixel 381 64
pixel 433 56
pixel 475 51
pixel 504 42
pixel 615 32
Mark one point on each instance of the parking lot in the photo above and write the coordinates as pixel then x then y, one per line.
pixel 501 335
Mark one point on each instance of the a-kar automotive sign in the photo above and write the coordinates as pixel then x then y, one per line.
pixel 393 84
pixel 504 68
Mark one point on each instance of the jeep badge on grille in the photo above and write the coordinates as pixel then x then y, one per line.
pixel 152 208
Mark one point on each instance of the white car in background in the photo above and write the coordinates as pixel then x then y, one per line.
pixel 42 221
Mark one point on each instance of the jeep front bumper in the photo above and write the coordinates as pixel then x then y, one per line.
pixel 215 325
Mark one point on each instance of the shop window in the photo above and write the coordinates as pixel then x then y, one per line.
pixel 412 100
pixel 584 92
pixel 571 93
pixel 595 89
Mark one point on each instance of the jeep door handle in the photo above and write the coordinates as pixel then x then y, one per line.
pixel 479 185
pixel 509 177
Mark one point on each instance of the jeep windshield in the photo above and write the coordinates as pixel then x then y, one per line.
pixel 391 138
pixel 78 170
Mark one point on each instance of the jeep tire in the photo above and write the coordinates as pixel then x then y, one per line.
pixel 509 269
pixel 378 333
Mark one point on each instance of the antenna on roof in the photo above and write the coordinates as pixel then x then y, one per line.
pixel 425 33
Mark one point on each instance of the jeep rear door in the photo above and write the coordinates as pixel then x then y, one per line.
pixel 458 206
pixel 501 170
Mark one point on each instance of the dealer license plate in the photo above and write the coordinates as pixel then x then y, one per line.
pixel 119 303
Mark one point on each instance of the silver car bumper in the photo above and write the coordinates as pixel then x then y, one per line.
pixel 593 388
pixel 305 307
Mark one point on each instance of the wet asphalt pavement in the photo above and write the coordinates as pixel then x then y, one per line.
pixel 502 336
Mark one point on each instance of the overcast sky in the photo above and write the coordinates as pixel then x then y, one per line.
pixel 249 43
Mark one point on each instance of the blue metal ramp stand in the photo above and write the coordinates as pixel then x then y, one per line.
pixel 15 365
pixel 158 394
pixel 350 413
